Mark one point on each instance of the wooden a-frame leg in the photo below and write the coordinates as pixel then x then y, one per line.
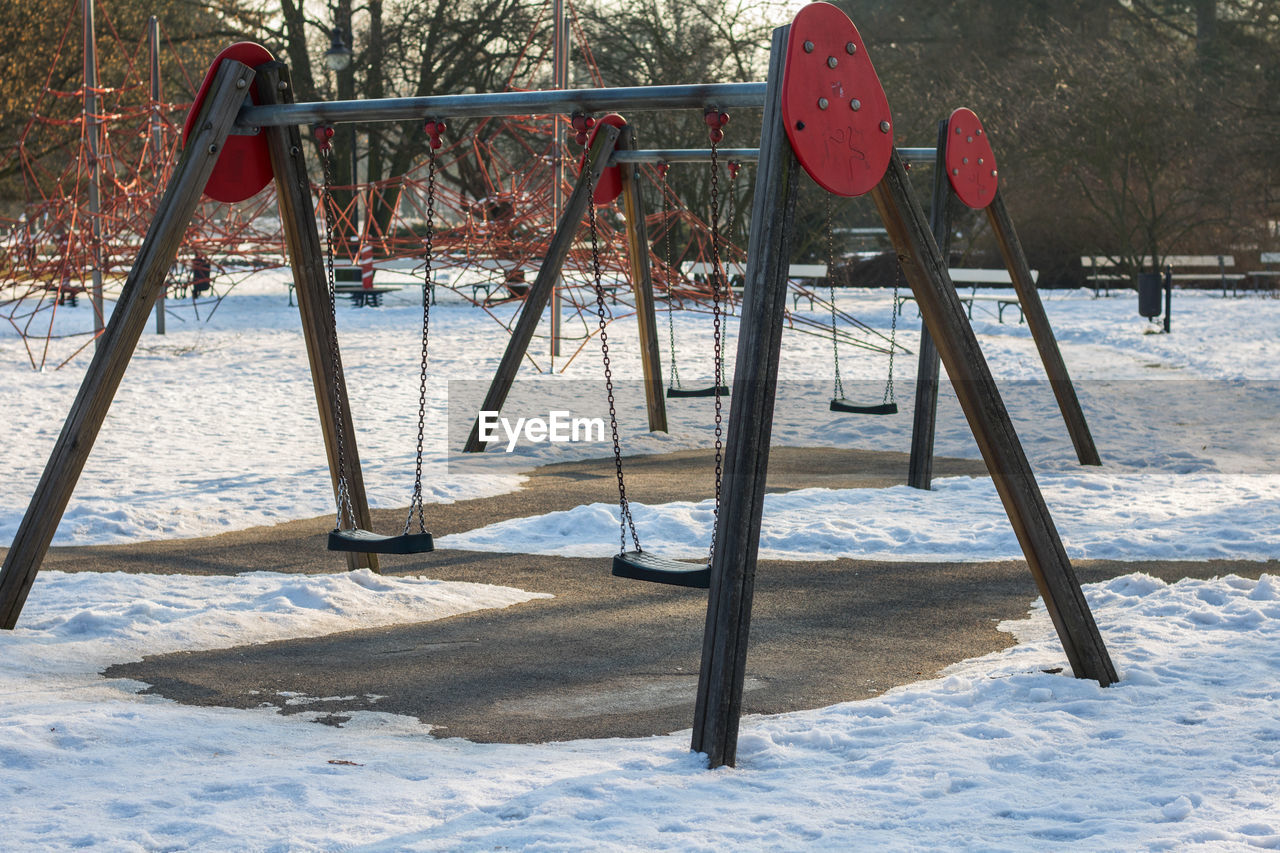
pixel 642 287
pixel 958 349
pixel 1041 331
pixel 306 258
pixel 925 417
pixel 755 379
pixel 116 345
pixel 536 300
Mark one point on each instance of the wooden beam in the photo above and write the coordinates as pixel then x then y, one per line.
pixel 737 538
pixel 319 329
pixel 1038 322
pixel 642 287
pixel 597 158
pixel 958 349
pixel 144 284
pixel 925 418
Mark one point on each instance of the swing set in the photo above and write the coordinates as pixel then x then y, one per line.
pixel 825 116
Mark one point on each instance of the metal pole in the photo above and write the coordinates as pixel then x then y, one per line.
pixel 560 74
pixel 157 143
pixel 92 132
pixel 546 102
pixel 701 155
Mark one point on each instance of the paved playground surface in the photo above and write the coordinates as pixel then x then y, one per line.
pixel 604 657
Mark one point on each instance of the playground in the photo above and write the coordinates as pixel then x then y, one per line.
pixel 901 607
pixel 870 581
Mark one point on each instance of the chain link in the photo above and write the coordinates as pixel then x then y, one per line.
pixel 893 335
pixel 626 523
pixel 717 276
pixel 415 503
pixel 838 391
pixel 346 512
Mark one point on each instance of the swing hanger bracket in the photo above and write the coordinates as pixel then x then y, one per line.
pixel 433 128
pixel 582 125
pixel 323 134
pixel 716 120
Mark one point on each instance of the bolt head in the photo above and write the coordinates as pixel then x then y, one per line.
pixel 884 127
pixel 993 173
pixel 282 85
pixel 850 48
pixel 822 103
pixel 240 84
pixel 980 161
pixel 965 161
pixel 213 148
pixel 808 47
pixel 832 62
pixel 855 105
pixel 955 171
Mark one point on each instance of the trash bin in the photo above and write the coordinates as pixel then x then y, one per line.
pixel 1150 295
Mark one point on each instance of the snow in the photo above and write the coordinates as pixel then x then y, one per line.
pixel 214 429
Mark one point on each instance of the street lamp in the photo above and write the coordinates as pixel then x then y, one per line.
pixel 338 60
pixel 338 56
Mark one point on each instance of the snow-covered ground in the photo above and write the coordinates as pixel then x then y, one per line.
pixel 215 429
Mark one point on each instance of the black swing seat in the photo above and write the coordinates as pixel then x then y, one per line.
pixel 643 566
pixel 709 391
pixel 366 542
pixel 842 405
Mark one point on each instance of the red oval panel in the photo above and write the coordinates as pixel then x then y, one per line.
pixel 833 105
pixel 609 186
pixel 971 164
pixel 244 166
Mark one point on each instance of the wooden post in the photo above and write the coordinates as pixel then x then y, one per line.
pixel 737 538
pixel 958 349
pixel 642 286
pixel 1041 331
pixel 597 158
pixel 116 345
pixel 306 257
pixel 925 419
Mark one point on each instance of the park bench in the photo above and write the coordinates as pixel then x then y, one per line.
pixel 737 275
pixel 1103 273
pixel 973 278
pixel 1266 279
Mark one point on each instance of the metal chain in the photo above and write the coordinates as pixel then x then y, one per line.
pixel 415 503
pixel 838 391
pixel 674 381
pixel 893 336
pixel 716 276
pixel 624 506
pixel 345 510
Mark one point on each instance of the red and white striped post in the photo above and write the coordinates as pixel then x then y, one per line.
pixel 366 266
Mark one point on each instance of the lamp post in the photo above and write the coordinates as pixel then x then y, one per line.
pixel 338 60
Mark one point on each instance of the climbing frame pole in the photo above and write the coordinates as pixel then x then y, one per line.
pixel 1038 322
pixel 143 286
pixel 958 348
pixel 925 417
pixel 755 380
pixel 642 286
pixel 536 300
pixel 306 258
